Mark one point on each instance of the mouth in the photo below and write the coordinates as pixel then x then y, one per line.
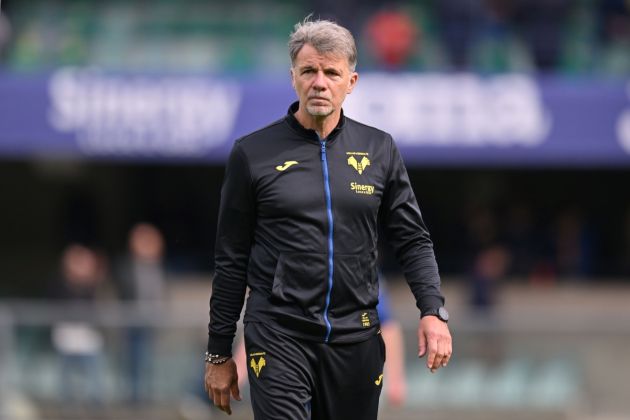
pixel 318 98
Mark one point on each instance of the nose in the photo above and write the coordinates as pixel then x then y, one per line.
pixel 320 81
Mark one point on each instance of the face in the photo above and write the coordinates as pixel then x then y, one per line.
pixel 321 81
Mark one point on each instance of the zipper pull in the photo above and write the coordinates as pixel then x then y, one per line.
pixel 323 143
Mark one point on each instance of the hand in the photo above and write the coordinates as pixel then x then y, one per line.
pixel 396 392
pixel 434 340
pixel 221 381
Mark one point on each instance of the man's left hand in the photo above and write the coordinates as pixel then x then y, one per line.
pixel 434 340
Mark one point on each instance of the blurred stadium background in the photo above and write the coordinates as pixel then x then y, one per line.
pixel 513 118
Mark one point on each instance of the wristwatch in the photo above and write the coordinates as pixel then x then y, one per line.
pixel 216 359
pixel 440 312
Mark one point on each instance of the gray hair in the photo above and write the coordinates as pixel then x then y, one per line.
pixel 326 37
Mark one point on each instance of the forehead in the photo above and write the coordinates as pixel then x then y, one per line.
pixel 309 56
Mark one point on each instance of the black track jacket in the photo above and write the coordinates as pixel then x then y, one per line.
pixel 298 224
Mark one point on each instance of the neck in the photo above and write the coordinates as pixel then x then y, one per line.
pixel 323 126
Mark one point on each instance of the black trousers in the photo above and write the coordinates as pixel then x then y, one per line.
pixel 299 380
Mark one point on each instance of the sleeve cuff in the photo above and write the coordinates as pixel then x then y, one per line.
pixel 428 303
pixel 220 345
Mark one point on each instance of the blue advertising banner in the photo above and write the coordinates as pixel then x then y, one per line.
pixel 436 119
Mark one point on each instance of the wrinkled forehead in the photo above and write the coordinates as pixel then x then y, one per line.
pixel 309 55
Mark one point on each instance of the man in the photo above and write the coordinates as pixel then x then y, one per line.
pixel 301 205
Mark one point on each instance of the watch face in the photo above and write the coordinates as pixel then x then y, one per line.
pixel 443 313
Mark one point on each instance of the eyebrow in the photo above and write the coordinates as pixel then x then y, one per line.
pixel 326 69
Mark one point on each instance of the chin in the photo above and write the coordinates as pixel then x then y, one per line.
pixel 319 111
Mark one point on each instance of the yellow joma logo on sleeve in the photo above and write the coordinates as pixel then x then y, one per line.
pixel 286 165
pixel 379 380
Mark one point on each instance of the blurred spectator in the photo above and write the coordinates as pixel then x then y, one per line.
pixel 625 256
pixel 142 282
pixel 521 239
pixel 482 229
pixel 394 371
pixel 5 34
pixel 79 343
pixel 497 48
pixel 475 34
pixel 614 32
pixel 491 265
pixel 392 36
pixel 347 13
pixel 614 20
pixel 541 23
pixel 459 26
pixel 573 245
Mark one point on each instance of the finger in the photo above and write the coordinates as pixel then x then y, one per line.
pixel 218 402
pixel 235 391
pixel 445 361
pixel 449 352
pixel 216 399
pixel 432 351
pixel 445 349
pixel 422 344
pixel 439 356
pixel 225 401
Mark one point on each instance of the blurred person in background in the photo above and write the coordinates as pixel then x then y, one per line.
pixel 521 239
pixel 392 37
pixel 301 205
pixel 614 18
pixel 489 257
pixel 541 23
pixel 625 253
pixel 396 380
pixel 573 244
pixel 459 23
pixel 5 34
pixel 614 36
pixel 490 267
pixel 78 342
pixel 141 282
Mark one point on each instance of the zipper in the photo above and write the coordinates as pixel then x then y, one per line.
pixel 330 238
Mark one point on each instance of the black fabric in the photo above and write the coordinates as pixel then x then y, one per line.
pixel 273 233
pixel 300 380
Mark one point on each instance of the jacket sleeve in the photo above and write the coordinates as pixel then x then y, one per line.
pixel 237 216
pixel 406 232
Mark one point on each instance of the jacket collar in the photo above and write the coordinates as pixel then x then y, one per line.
pixel 307 132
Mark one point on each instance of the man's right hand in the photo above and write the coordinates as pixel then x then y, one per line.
pixel 221 381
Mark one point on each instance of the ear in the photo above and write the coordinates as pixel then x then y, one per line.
pixel 354 77
pixel 292 73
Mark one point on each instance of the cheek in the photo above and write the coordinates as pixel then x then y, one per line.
pixel 341 93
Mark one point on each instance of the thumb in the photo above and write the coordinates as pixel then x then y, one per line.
pixel 422 343
pixel 235 391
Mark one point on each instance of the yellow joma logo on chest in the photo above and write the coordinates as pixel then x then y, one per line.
pixel 286 165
